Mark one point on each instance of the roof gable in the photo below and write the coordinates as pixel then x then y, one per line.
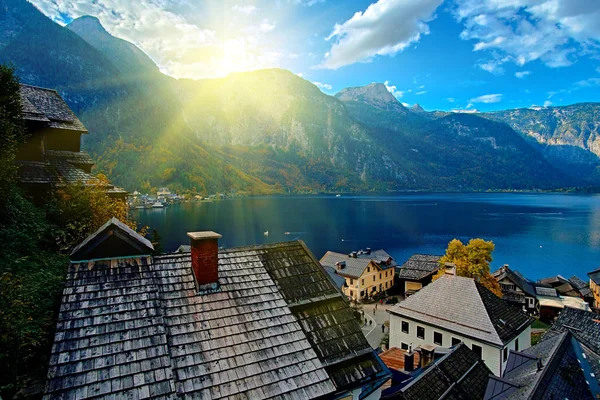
pixel 595 276
pixel 41 104
pixel 461 305
pixel 419 266
pixel 113 239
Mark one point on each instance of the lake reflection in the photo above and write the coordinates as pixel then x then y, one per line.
pixel 538 234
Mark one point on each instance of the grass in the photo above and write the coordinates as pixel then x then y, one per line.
pixel 537 324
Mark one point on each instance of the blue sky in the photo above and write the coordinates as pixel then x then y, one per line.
pixel 453 54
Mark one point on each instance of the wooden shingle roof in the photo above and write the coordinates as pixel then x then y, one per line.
pixel 419 266
pixel 277 328
pixel 46 105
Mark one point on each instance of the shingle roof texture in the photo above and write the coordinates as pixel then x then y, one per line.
pixel 419 266
pixel 458 375
pixel 277 328
pixel 461 305
pixel 41 104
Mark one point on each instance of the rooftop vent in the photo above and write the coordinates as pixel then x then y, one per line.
pixel 353 254
pixel 368 250
pixel 340 265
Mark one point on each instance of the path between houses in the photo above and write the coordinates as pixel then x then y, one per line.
pixel 373 332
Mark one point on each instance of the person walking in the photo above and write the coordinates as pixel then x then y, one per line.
pixel 382 328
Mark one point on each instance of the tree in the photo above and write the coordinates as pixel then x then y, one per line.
pixel 12 128
pixel 473 261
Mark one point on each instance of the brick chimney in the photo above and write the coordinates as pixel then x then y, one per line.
pixel 450 268
pixel 205 258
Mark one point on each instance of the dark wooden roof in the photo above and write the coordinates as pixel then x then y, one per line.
pixel 73 157
pixel 46 105
pixel 276 328
pixel 460 374
pixel 595 276
pixel 507 320
pixel 517 278
pixel 582 286
pixel 419 266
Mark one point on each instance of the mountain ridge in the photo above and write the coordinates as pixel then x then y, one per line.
pixel 270 131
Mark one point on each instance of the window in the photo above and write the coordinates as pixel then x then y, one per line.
pixel 380 275
pixel 368 269
pixel 362 293
pixel 420 332
pixel 352 281
pixel 403 346
pixel 455 341
pixel 404 327
pixel 362 282
pixel 530 302
pixel 476 349
pixel 437 338
pixel 374 276
pixel 517 344
pixel 505 353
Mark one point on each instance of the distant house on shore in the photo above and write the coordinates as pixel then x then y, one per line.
pixel 250 323
pixel 52 155
pixel 455 309
pixel 517 290
pixel 417 272
pixel 367 273
pixel 595 287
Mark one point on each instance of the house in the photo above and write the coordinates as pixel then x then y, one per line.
pixel 458 374
pixel 455 309
pixel 249 322
pixel 52 155
pixel 516 289
pixel 583 288
pixel 562 285
pixel 551 303
pixel 163 192
pixel 367 273
pixel 417 272
pixel 595 286
pixel 565 364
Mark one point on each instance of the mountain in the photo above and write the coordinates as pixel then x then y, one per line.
pixel 417 108
pixel 266 131
pixel 568 136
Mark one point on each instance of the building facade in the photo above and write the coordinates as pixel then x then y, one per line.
pixel 365 276
pixel 454 310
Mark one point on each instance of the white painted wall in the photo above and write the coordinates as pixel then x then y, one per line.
pixel 491 355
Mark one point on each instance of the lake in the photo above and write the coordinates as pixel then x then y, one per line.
pixel 538 234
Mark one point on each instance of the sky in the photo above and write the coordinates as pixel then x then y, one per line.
pixel 443 54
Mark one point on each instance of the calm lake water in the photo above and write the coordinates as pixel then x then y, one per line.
pixel 539 234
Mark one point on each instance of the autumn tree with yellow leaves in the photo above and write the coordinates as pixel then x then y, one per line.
pixel 471 260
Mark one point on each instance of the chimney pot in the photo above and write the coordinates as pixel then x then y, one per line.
pixel 427 354
pixel 450 268
pixel 205 258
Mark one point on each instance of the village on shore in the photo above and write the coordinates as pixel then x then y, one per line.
pixel 273 321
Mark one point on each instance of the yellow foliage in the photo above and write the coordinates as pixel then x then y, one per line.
pixel 473 261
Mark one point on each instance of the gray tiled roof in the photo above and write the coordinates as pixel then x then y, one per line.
pixel 356 266
pixel 338 280
pixel 461 305
pixel 419 266
pixel 41 104
pixel 517 278
pixel 581 285
pixel 277 328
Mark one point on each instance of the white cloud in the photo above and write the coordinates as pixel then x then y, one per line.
pixel 486 98
pixel 493 67
pixel 421 87
pixel 588 82
pixel 522 74
pixel 323 86
pixel 247 9
pixel 267 26
pixel 179 46
pixel 547 103
pixel 393 90
pixel 384 28
pixel 520 31
pixel 464 111
pixel 406 104
pixel 450 99
pixel 300 74
pixel 421 92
